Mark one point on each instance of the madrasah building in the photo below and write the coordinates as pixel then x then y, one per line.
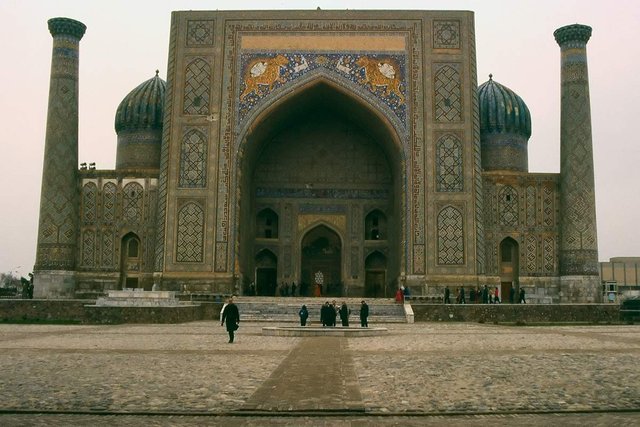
pixel 351 149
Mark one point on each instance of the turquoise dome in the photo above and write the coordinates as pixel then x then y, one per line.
pixel 502 110
pixel 143 107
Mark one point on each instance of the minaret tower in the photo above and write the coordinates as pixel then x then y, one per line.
pixel 578 247
pixel 54 275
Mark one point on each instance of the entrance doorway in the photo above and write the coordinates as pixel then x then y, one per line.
pixel 266 273
pixel 375 282
pixel 509 268
pixel 130 262
pixel 321 261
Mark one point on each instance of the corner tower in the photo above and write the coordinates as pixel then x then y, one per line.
pixel 578 247
pixel 59 201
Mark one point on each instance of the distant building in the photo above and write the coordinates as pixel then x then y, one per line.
pixel 352 143
pixel 621 275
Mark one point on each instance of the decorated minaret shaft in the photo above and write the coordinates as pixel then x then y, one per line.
pixel 578 248
pixel 58 224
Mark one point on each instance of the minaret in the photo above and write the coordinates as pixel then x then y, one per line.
pixel 578 248
pixel 54 275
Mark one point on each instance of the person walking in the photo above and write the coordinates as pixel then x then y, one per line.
pixel 304 315
pixel 521 300
pixel 231 316
pixel 461 296
pixel 496 296
pixel 446 295
pixel 364 314
pixel 344 314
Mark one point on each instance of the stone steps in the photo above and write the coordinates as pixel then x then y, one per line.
pixel 285 309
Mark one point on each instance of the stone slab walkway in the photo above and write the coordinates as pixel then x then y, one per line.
pixel 417 374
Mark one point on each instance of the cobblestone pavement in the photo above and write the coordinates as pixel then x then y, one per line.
pixel 418 374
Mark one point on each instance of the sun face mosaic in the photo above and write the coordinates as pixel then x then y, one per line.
pixel 382 75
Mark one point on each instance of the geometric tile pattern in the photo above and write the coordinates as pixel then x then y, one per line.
pixel 548 206
pixel 197 87
pixel 199 33
pixel 88 248
pixel 508 206
pixel 109 202
pixel 190 234
pixel 448 94
pixel 132 202
pixel 449 172
pixel 549 255
pixel 446 34
pixel 89 205
pixel 531 248
pixel 450 237
pixel 531 205
pixel 107 249
pixel 193 160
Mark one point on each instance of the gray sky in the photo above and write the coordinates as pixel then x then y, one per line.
pixel 126 41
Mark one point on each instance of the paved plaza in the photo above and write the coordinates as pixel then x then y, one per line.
pixel 417 374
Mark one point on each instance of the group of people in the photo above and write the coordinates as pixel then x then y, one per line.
pixel 329 312
pixel 483 295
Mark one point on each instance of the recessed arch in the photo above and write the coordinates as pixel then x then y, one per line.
pixel 319 147
pixel 509 267
pixel 130 260
pixel 321 260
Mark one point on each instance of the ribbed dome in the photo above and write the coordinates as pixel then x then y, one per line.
pixel 142 107
pixel 502 110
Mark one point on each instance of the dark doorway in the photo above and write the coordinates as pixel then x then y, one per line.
pixel 321 261
pixel 266 279
pixel 509 267
pixel 266 273
pixel 375 276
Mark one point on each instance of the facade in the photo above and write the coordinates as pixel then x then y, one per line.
pixel 350 151
pixel 620 277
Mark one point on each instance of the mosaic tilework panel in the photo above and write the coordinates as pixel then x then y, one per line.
pixel 508 206
pixel 322 193
pixel 450 237
pixel 448 93
pixel 200 33
pixel 193 160
pixel 107 249
pixel 446 34
pixel 88 248
pixel 109 202
pixel 132 202
pixel 190 234
pixel 89 205
pixel 382 75
pixel 449 166
pixel 197 87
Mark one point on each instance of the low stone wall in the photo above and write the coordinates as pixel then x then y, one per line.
pixel 515 313
pixel 83 311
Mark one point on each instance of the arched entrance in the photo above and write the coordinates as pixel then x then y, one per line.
pixel 321 154
pixel 376 275
pixel 509 268
pixel 321 260
pixel 130 261
pixel 266 279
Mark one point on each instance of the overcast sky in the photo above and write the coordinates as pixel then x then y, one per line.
pixel 126 41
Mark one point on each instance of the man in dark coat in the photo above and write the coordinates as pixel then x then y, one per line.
pixel 446 295
pixel 231 315
pixel 364 313
pixel 324 314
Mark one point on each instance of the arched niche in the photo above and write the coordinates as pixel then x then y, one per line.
pixel 320 148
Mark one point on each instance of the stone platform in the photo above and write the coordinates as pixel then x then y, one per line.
pixel 306 331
